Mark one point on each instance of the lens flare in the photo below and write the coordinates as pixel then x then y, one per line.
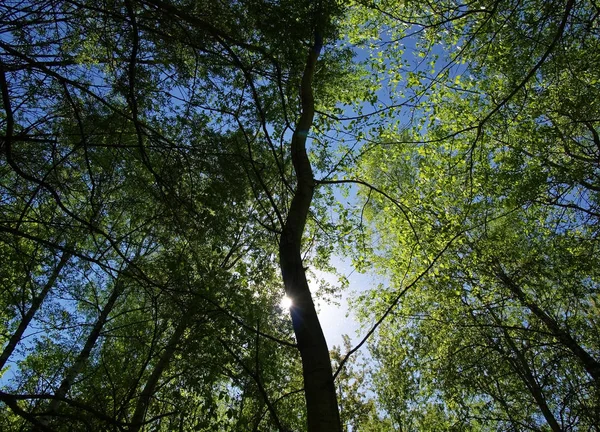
pixel 286 302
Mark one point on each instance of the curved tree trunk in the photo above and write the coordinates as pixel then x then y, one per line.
pixel 319 389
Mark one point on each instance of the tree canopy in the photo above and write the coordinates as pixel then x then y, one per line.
pixel 170 169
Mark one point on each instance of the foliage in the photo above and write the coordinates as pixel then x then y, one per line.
pixel 141 160
pixel 490 234
pixel 156 176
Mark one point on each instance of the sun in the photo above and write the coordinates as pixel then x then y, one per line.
pixel 286 302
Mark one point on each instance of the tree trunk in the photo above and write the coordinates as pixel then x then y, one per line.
pixel 319 389
pixel 90 342
pixel 522 369
pixel 591 365
pixel 149 389
pixel 35 305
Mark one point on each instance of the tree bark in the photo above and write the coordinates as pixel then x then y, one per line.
pixel 319 390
